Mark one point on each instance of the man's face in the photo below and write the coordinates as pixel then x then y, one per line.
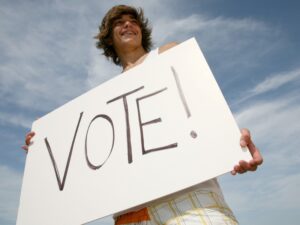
pixel 126 32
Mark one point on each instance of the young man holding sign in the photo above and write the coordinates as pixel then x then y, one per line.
pixel 126 39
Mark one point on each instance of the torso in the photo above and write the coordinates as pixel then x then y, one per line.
pixel 150 55
pixel 206 197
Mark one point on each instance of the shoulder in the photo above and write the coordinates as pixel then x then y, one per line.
pixel 166 47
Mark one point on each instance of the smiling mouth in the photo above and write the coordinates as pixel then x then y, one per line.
pixel 128 33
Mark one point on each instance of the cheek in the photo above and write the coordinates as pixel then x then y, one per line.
pixel 114 35
pixel 140 32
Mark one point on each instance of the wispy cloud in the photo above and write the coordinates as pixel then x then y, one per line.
pixel 274 125
pixel 251 193
pixel 218 28
pixel 10 186
pixel 270 110
pixel 45 63
pixel 276 132
pixel 276 81
pixel 232 46
pixel 100 69
pixel 15 119
pixel 48 57
pixel 56 55
pixel 271 83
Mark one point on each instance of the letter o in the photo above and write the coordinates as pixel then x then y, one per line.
pixel 107 118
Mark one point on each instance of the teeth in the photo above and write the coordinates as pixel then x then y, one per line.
pixel 129 33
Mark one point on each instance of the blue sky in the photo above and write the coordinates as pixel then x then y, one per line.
pixel 48 57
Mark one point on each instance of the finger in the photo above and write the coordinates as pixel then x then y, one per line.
pixel 28 137
pixel 235 170
pixel 239 169
pixel 253 168
pixel 247 141
pixel 256 155
pixel 254 163
pixel 25 148
pixel 31 134
pixel 248 166
pixel 245 137
pixel 245 166
pixel 27 140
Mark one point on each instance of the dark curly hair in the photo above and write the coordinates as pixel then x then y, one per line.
pixel 105 30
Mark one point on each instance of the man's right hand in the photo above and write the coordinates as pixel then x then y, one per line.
pixel 28 137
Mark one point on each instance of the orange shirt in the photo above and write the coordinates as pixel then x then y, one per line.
pixel 133 217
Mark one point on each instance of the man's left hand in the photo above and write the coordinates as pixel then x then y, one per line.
pixel 257 160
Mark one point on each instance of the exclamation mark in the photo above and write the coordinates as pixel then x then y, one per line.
pixel 183 100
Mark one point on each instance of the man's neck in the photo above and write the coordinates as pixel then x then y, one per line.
pixel 132 57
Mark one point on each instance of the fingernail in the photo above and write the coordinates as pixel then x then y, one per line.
pixel 243 143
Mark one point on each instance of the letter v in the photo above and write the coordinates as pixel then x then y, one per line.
pixel 61 184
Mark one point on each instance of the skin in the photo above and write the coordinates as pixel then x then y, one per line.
pixel 257 160
pixel 127 41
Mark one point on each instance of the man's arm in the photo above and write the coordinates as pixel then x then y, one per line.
pixel 245 140
pixel 257 160
pixel 166 47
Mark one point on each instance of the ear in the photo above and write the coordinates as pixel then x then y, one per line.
pixel 110 41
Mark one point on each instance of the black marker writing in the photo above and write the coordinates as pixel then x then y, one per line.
pixel 86 137
pixel 193 133
pixel 61 184
pixel 182 97
pixel 144 151
pixel 123 96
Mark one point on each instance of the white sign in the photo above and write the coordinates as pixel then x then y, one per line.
pixel 129 141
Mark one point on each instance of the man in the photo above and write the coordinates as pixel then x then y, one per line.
pixel 125 38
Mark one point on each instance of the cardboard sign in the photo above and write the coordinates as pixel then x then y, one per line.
pixel 129 141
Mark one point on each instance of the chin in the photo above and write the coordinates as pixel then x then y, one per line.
pixel 132 42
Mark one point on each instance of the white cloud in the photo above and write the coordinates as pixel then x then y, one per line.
pixel 44 60
pixel 234 45
pixel 271 83
pixel 215 31
pixel 99 69
pixel 273 121
pixel 9 194
pixel 49 58
pixel 275 81
pixel 15 119
pixel 54 57
pixel 258 191
pixel 276 131
pixel 285 188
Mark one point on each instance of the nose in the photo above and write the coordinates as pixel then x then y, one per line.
pixel 127 23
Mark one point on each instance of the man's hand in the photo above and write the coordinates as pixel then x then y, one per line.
pixel 257 160
pixel 28 138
